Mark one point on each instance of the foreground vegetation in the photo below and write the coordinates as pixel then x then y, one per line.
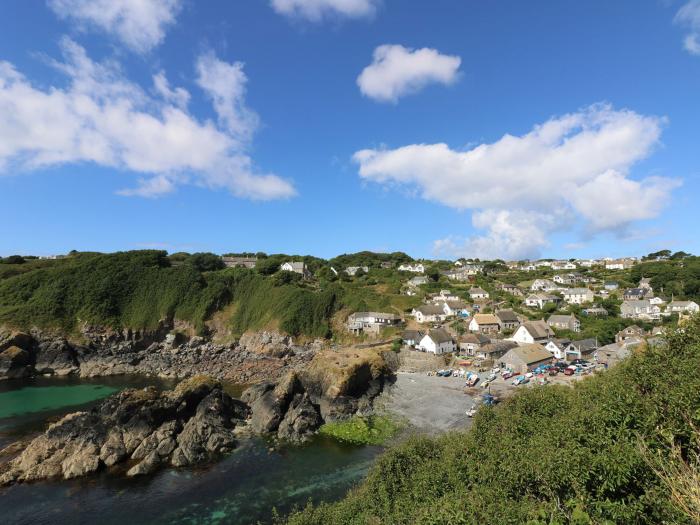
pixel 359 430
pixel 589 454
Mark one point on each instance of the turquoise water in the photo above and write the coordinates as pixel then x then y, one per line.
pixel 242 488
pixel 32 399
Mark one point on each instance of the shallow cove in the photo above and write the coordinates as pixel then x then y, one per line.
pixel 241 488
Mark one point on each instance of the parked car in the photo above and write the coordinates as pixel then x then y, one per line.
pixel 553 371
pixel 520 380
pixel 472 380
pixel 486 383
pixel 492 376
pixel 579 362
pixel 508 374
pixel 495 370
pixel 560 365
pixel 529 375
pixel 570 370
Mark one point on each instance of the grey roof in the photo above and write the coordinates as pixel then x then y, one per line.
pixel 585 345
pixel 538 329
pixel 507 316
pixel 456 305
pixel 430 309
pixel 477 290
pixel 475 338
pixel 561 319
pixel 414 335
pixel 498 347
pixel 440 335
pixel 532 353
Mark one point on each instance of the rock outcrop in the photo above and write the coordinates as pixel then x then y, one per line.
pixel 144 428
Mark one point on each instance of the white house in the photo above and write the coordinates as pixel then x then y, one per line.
pixel 619 264
pixel 484 323
pixel 478 293
pixel 558 347
pixel 578 295
pixel 538 300
pixel 296 267
pixel 532 332
pixel 415 268
pixel 429 313
pixel 544 285
pixel 640 309
pixel 455 308
pixel 690 307
pixel 352 270
pixel 437 341
pixel 563 265
pixel 564 322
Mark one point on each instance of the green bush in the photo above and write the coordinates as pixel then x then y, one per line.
pixel 372 430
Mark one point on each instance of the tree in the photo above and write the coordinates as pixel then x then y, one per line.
pixel 433 274
pixel 285 277
pixel 206 262
pixel 267 266
pixel 14 259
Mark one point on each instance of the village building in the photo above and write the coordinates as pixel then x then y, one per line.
pixel 478 293
pixel 510 288
pixel 656 300
pixel 371 322
pixel 415 268
pixel 645 282
pixel 532 332
pixel 386 265
pixel 352 270
pixel 539 300
pixel 522 359
pixel 631 332
pixel 640 310
pixel 689 307
pixel 484 323
pixel 429 313
pixel 470 343
pixel 578 295
pixel 563 265
pixel 495 350
pixel 543 285
pixel 507 319
pixel 611 285
pixel 456 308
pixel 411 337
pixel 595 311
pixel 566 278
pixel 636 294
pixel 558 347
pixel 437 341
pixel 296 267
pixel 417 281
pixel 612 354
pixel 240 262
pixel 619 264
pixel 582 349
pixel 564 322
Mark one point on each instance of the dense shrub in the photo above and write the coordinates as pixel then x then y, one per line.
pixel 547 455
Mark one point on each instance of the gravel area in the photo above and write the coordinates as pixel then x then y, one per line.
pixel 430 404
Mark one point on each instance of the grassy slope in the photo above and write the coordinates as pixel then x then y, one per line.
pixel 548 455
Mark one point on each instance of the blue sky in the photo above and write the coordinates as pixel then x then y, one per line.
pixel 273 144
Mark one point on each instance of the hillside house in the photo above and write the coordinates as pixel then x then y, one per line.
pixel 567 279
pixel 352 270
pixel 686 307
pixel 240 262
pixel 539 300
pixel 411 337
pixel 456 308
pixel 532 332
pixel 563 265
pixel 543 285
pixel 582 349
pixel 612 354
pixel 619 264
pixel 640 310
pixel 595 311
pixel 296 267
pixel 470 343
pixel 494 351
pixel 631 332
pixel 645 282
pixel 414 268
pixel 578 295
pixel 437 341
pixel 371 322
pixel 507 319
pixel 429 313
pixel 564 322
pixel 511 289
pixel 477 293
pixel 522 359
pixel 636 294
pixel 416 281
pixel 484 323
pixel 557 347
pixel 611 286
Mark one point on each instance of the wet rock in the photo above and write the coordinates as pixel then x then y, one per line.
pixel 55 357
pixel 15 363
pixel 301 420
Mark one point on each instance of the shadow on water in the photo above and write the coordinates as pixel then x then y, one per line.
pixel 241 488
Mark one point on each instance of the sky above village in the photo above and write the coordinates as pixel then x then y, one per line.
pixel 442 128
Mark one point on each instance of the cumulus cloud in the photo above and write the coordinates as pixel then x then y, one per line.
pixel 103 118
pixel 396 71
pixel 524 188
pixel 689 16
pixel 139 24
pixel 317 10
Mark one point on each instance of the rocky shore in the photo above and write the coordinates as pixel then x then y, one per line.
pixel 143 428
pixel 295 389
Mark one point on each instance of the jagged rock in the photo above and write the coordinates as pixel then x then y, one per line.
pixel 15 363
pixel 18 339
pixel 184 426
pixel 55 357
pixel 301 420
pixel 267 412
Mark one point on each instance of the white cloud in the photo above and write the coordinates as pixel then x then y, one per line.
pixel 317 10
pixel 689 16
pixel 524 188
pixel 225 84
pixel 396 71
pixel 139 24
pixel 101 117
